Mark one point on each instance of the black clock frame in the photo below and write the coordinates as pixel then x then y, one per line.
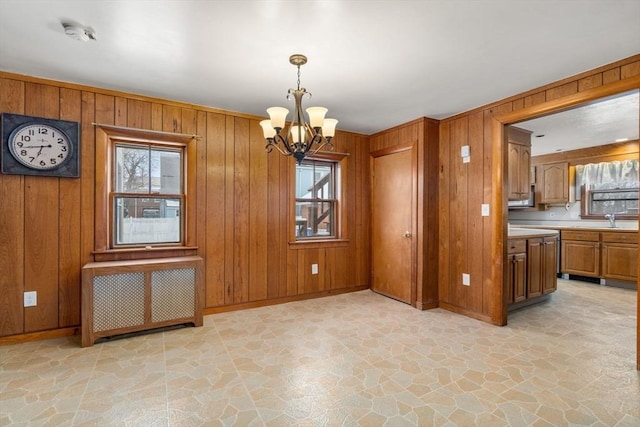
pixel 69 169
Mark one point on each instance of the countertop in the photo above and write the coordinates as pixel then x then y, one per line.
pixel 571 227
pixel 524 233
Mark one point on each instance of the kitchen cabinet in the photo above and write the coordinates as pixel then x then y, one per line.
pixel 519 163
pixel 580 252
pixel 552 183
pixel 541 266
pixel 619 256
pixel 517 261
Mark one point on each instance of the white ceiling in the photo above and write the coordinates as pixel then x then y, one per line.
pixel 604 122
pixel 374 64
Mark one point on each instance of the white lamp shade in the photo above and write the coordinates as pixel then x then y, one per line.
pixel 316 116
pixel 267 129
pixel 297 133
pixel 278 116
pixel 329 128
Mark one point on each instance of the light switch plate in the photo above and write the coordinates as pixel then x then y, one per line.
pixel 485 209
pixel 464 151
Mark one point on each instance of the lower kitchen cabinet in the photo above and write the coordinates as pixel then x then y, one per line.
pixel 581 253
pixel 605 254
pixel 532 268
pixel 620 256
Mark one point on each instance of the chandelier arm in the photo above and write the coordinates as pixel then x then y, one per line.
pixel 271 145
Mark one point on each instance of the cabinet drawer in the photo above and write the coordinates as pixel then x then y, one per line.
pixel 587 236
pixel 515 246
pixel 619 237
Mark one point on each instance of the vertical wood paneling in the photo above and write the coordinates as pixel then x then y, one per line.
pixel 459 212
pixel 121 113
pixel 241 208
pixel 216 207
pixel 190 127
pixel 138 114
pixel 590 82
pixel 156 116
pixel 201 195
pixel 611 76
pixel 172 119
pixel 363 229
pixel 69 246
pixel 535 99
pixel 560 91
pixel 87 176
pixel 41 215
pixel 630 70
pixel 487 303
pixel 275 251
pixel 475 220
pixel 229 213
pixel 11 227
pixel 258 211
pixel 444 212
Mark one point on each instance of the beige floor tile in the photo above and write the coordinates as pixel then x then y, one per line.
pixel 357 359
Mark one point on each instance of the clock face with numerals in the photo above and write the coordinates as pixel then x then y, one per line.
pixel 40 146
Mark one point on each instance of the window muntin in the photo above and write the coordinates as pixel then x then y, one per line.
pixel 141 171
pixel 316 202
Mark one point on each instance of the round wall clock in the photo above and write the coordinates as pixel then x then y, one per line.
pixel 38 146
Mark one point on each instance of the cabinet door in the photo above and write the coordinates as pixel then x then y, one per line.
pixel 554 182
pixel 519 174
pixel 534 266
pixel 581 258
pixel 519 277
pixel 549 262
pixel 514 172
pixel 620 261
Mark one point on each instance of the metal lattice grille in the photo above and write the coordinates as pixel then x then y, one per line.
pixel 118 301
pixel 172 294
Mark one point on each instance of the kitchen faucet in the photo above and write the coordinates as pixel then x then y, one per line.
pixel 612 219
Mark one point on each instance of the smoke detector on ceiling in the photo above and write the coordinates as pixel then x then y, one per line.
pixel 77 32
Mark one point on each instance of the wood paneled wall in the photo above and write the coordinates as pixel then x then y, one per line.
pixel 465 236
pixel 242 215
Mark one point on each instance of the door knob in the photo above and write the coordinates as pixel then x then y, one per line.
pixel 407 234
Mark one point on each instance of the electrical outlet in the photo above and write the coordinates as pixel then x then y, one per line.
pixel 30 299
pixel 466 279
pixel 314 268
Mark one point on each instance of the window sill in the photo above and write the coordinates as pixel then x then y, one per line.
pixel 144 253
pixel 318 243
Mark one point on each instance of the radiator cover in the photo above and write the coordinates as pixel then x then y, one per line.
pixel 128 296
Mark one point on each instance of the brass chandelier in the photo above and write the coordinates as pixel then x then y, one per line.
pixel 301 138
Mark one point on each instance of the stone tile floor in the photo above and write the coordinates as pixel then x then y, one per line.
pixel 357 359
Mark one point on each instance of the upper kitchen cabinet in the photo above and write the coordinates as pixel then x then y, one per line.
pixel 553 182
pixel 519 147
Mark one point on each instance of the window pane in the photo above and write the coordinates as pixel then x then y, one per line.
pixel 146 220
pixel 315 219
pixel 132 169
pixel 314 180
pixel 166 172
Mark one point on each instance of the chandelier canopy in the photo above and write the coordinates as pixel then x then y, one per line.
pixel 301 138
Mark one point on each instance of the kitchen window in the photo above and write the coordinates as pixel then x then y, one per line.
pixel 608 188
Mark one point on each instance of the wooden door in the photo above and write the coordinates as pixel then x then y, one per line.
pixel 393 247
